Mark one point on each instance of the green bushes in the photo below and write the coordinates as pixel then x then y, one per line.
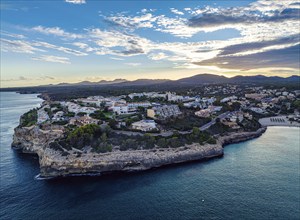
pixel 83 135
pixel 29 118
pixel 103 140
pixel 99 115
pixel 186 123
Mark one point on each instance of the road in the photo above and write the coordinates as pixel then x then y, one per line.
pixel 212 122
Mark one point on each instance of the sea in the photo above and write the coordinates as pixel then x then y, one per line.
pixel 257 179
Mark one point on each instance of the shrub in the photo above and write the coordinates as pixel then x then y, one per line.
pixel 29 118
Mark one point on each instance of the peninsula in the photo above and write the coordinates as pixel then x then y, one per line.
pixel 142 130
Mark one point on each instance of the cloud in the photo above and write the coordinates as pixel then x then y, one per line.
pixel 264 27
pixel 56 31
pixel 23 78
pixel 133 64
pixel 132 22
pixel 20 78
pixel 260 46
pixel 283 57
pixel 158 56
pixel 18 46
pixel 176 11
pixel 257 12
pixel 116 58
pixel 53 59
pixel 175 26
pixel 77 2
pixel 234 17
pixel 108 41
pixel 12 35
pixel 59 48
pixel 47 78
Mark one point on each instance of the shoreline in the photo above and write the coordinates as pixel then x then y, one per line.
pixel 53 164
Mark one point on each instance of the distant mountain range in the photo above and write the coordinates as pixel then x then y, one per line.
pixel 210 78
pixel 193 80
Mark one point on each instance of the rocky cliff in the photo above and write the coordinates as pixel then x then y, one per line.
pixel 33 139
pixel 240 136
pixel 53 163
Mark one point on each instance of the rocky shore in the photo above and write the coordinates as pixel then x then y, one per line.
pixel 54 164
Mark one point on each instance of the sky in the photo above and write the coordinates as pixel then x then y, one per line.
pixel 49 42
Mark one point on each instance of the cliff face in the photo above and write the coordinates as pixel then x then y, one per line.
pixel 33 139
pixel 241 136
pixel 53 164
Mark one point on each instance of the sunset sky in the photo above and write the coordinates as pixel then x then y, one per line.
pixel 45 42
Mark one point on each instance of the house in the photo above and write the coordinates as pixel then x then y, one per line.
pixel 58 116
pixel 231 124
pixel 203 113
pixel 255 96
pixel 138 104
pixel 227 99
pixel 133 95
pixel 173 97
pixel 213 108
pixel 120 109
pixel 84 120
pixel 42 116
pixel 144 125
pixel 163 112
pixel 257 110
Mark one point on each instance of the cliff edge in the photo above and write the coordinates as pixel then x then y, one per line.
pixel 53 163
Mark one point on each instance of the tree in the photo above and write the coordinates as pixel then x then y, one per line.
pixel 112 123
pixel 196 131
pixel 174 142
pixel 81 113
pixel 162 143
pixel 103 137
pixel 102 105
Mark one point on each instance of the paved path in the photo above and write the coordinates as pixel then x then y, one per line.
pixel 212 122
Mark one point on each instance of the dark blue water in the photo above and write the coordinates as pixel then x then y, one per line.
pixel 258 179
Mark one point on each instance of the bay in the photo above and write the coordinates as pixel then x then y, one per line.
pixel 257 179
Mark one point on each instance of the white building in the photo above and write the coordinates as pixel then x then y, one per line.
pixel 257 110
pixel 120 109
pixel 144 125
pixel 173 97
pixel 227 99
pixel 138 104
pixel 164 111
pixel 133 95
pixel 75 108
pixel 203 113
pixel 58 116
pixel 42 116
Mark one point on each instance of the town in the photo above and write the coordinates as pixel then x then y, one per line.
pixel 167 118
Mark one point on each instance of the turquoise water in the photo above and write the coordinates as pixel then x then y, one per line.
pixel 258 179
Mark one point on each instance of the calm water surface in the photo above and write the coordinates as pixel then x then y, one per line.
pixel 258 179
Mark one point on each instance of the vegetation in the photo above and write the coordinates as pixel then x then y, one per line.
pixel 29 118
pixel 100 115
pixel 83 136
pixel 185 123
pixel 60 122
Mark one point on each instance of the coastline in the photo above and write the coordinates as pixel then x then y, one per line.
pixel 53 164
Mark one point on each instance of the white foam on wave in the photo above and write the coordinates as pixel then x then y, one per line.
pixel 39 177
